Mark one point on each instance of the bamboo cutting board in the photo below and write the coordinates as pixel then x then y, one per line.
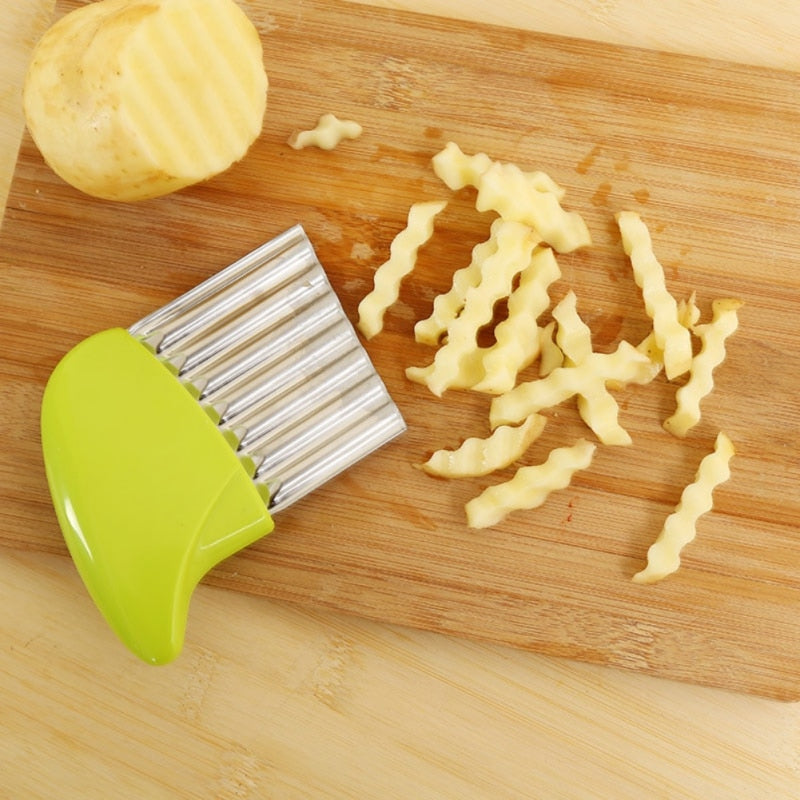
pixel 708 153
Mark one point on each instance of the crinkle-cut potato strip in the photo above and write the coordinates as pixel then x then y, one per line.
pixel 517 337
pixel 712 335
pixel 482 456
pixel 515 244
pixel 573 335
pixel 550 355
pixel 688 315
pixel 672 337
pixel 531 485
pixel 596 405
pixel 600 411
pixel 402 260
pixel 469 373
pixel 448 305
pixel 505 189
pixel 680 528
pixel 457 171
pixel 517 341
pixel 494 369
pixel 328 133
pixel 625 365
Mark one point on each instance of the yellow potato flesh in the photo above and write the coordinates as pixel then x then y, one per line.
pixel 132 99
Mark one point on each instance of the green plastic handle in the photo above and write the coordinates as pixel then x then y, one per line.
pixel 148 492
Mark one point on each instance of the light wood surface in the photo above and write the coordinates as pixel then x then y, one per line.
pixel 273 700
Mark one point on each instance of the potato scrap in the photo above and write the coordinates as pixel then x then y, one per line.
pixel 515 244
pixel 328 133
pixel 672 337
pixel 680 528
pixel 402 259
pixel 478 456
pixel 712 353
pixel 530 487
pixel 458 170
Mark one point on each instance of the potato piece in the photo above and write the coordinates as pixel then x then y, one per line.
pixel 515 246
pixel 625 365
pixel 478 456
pixel 550 355
pixel 402 260
pixel 327 134
pixel 672 338
pixel 457 171
pixel 530 487
pixel 664 555
pixel 596 405
pixel 494 369
pixel 507 190
pixel 447 306
pixel 517 343
pixel 132 99
pixel 573 336
pixel 712 354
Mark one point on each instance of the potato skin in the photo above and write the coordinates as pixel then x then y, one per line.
pixel 82 86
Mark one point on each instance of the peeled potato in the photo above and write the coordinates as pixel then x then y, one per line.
pixel 132 99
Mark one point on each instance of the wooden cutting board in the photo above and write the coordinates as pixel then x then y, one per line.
pixel 708 152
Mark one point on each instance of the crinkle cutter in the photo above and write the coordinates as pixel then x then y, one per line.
pixel 169 446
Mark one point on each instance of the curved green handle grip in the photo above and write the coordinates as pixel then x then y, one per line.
pixel 148 492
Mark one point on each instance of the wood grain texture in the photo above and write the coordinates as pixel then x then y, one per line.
pixel 20 27
pixel 272 700
pixel 763 34
pixel 707 151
